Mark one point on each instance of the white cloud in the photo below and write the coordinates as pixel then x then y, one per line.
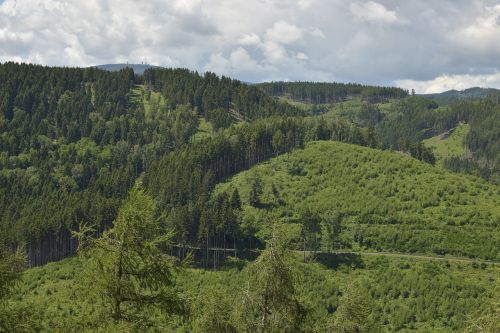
pixel 301 56
pixel 249 39
pixel 483 34
pixel 274 52
pixel 304 4
pixel 284 32
pixel 356 41
pixel 372 11
pixel 316 32
pixel 449 82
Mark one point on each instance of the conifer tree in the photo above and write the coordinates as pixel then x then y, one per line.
pixel 128 267
pixel 270 300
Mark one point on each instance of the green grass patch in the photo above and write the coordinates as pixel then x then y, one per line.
pixel 449 144
pixel 150 101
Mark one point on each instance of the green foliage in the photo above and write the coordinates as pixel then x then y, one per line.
pixel 74 144
pixel 323 93
pixel 486 321
pixel 220 99
pixel 353 313
pixel 385 201
pixel 127 265
pixel 74 141
pixel 14 317
pixel 11 266
pixel 255 192
pixel 404 294
pixel 449 144
pixel 270 302
pixel 214 313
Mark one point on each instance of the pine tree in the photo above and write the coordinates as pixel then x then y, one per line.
pixel 255 191
pixel 270 301
pixel 214 313
pixel 127 266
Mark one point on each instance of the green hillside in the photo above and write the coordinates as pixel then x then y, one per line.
pixel 403 294
pixel 198 203
pixel 449 144
pixel 384 201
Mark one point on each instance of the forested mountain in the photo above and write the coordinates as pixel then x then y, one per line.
pixel 452 96
pixel 216 97
pixel 69 151
pixel 402 122
pixel 329 196
pixel 73 142
pixel 157 179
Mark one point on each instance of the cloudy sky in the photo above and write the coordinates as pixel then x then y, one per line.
pixel 428 45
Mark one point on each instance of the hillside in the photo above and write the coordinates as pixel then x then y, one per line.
pixel 329 92
pixel 176 189
pixel 409 295
pixel 74 140
pixel 383 201
pixel 449 144
pixel 451 96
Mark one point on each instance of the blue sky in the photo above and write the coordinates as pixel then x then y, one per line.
pixel 428 45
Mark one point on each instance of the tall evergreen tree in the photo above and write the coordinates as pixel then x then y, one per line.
pixel 270 300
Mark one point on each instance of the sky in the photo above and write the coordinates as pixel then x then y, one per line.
pixel 426 45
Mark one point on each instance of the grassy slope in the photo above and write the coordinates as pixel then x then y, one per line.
pixel 390 202
pixel 451 145
pixel 138 96
pixel 405 294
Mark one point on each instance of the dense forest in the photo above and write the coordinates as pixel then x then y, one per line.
pixel 326 92
pixel 72 145
pixel 198 203
pixel 210 95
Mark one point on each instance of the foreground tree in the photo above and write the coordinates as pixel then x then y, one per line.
pixel 353 313
pixel 270 302
pixel 128 266
pixel 11 266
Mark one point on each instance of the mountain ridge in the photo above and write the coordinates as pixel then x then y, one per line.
pixel 453 95
pixel 137 68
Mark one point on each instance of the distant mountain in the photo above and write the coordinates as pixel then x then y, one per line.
pixel 138 68
pixel 451 96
